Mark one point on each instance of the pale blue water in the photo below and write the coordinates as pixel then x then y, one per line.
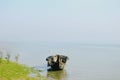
pixel 87 62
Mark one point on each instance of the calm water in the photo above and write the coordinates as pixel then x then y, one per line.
pixel 87 62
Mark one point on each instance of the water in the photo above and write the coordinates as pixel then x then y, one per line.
pixel 86 62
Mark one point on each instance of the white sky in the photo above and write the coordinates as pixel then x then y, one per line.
pixel 83 21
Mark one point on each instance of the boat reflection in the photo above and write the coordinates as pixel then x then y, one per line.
pixel 57 75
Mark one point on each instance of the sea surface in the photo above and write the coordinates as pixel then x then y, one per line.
pixel 86 61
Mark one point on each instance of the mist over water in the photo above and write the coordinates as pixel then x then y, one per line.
pixel 86 62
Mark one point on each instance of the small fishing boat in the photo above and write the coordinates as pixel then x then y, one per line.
pixel 56 62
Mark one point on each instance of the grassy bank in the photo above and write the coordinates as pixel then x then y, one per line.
pixel 14 71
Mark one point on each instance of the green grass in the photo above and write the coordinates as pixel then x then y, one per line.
pixel 15 71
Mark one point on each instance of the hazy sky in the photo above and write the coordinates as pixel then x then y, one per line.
pixel 84 21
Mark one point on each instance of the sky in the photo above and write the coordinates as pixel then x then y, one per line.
pixel 83 21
